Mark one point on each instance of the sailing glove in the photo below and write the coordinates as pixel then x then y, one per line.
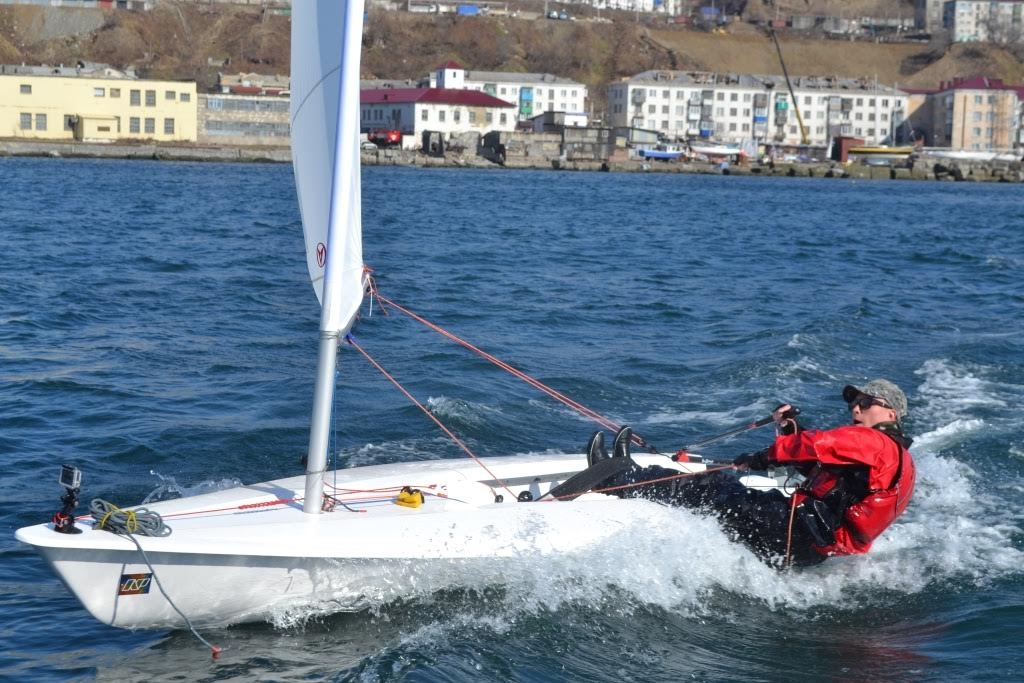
pixel 785 419
pixel 758 460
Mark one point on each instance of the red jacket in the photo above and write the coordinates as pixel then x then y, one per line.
pixel 889 481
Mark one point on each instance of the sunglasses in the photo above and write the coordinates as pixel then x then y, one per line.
pixel 865 403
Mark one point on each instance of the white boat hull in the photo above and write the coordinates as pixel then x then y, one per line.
pixel 250 553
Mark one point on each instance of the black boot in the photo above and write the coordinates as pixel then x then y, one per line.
pixel 595 448
pixel 620 447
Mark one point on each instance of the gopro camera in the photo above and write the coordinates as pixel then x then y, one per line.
pixel 70 477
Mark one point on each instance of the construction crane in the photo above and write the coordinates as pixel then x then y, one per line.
pixel 796 107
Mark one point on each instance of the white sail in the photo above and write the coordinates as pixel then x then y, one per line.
pixel 324 169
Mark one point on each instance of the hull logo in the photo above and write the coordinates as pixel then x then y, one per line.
pixel 135 584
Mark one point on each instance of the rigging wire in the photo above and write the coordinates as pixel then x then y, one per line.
pixel 426 412
pixel 537 384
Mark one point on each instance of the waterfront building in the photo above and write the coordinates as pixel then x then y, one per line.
pixel 756 110
pixel 413 111
pixel 94 104
pixel 971 114
pixel 532 94
pixel 244 119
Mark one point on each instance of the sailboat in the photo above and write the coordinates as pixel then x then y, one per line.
pixel 251 552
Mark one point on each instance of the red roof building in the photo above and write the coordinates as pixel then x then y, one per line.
pixel 412 111
pixel 974 113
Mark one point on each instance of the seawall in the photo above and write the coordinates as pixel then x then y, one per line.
pixel 920 170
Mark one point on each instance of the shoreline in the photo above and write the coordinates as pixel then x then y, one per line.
pixel 921 170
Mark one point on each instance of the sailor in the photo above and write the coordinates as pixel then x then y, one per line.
pixel 858 479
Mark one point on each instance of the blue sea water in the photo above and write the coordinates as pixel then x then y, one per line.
pixel 158 328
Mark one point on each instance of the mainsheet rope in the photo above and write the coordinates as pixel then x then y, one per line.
pixel 537 384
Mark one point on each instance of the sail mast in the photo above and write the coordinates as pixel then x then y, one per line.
pixel 340 255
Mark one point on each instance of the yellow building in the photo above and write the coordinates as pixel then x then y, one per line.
pixel 94 105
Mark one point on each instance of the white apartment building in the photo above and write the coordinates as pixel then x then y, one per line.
pixel 757 109
pixel 531 94
pixel 669 7
pixel 997 21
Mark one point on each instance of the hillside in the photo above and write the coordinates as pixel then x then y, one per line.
pixel 194 41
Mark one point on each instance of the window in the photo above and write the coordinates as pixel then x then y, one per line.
pixel 26 122
pixel 168 126
pixel 115 92
pixel 134 125
pixel 170 95
pixel 503 118
pixel 135 98
pixel 472 117
pixel 185 97
pixel 99 92
pixel 978 99
pixel 151 98
pixel 150 126
pixel 457 116
pixel 652 108
pixel 664 109
pixel 489 117
pixel 103 129
pixel 40 121
pixel 665 94
pixel 720 96
pixel 732 111
pixel 440 115
pixel 424 116
pixel 25 89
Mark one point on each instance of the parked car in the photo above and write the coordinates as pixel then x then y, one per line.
pixel 385 138
pixel 367 145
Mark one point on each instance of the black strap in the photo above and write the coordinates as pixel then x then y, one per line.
pixel 584 481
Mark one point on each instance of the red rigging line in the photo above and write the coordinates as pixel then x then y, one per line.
pixel 537 384
pixel 426 412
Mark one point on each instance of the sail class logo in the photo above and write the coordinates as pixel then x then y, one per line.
pixel 321 254
pixel 135 584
